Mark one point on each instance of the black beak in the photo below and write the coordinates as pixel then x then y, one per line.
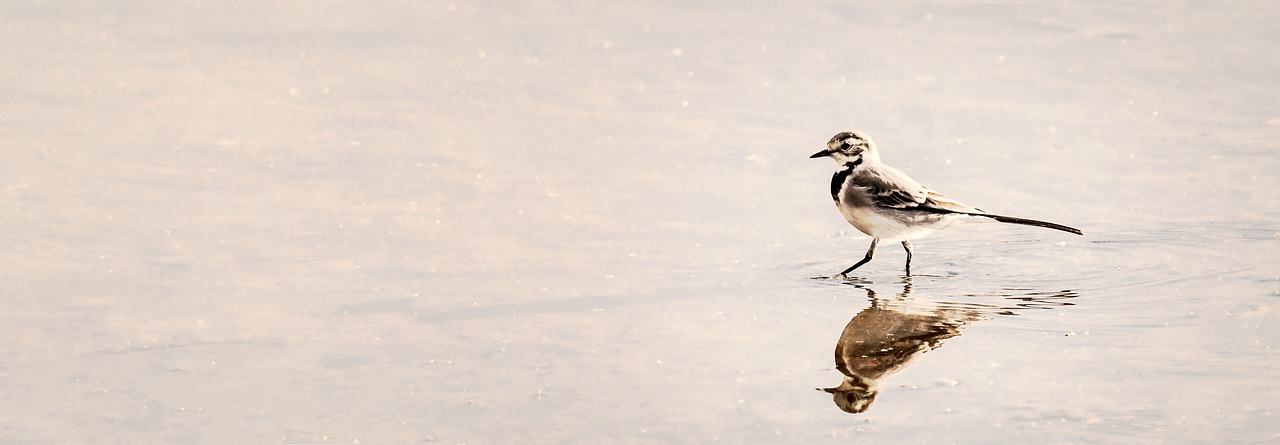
pixel 821 154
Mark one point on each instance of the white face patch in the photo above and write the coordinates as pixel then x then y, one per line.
pixel 843 157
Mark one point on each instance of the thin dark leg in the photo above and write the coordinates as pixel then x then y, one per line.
pixel 870 251
pixel 907 245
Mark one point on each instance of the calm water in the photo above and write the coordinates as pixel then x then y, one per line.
pixel 572 223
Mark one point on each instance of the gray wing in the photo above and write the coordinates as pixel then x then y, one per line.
pixel 887 187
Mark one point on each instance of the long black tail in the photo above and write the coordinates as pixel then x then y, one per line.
pixel 1030 222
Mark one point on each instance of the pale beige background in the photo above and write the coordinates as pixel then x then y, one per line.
pixel 557 222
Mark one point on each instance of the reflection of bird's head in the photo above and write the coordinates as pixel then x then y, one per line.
pixel 850 147
pixel 852 397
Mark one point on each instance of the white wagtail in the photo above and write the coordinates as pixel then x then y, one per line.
pixel 885 203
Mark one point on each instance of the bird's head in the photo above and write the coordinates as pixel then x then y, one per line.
pixel 853 396
pixel 850 147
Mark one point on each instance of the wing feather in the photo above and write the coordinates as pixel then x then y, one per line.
pixel 887 187
pixel 939 201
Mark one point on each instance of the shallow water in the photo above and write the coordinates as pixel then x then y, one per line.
pixel 553 223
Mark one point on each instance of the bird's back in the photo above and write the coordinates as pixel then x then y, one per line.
pixel 883 186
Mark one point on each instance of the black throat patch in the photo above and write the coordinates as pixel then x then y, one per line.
pixel 837 180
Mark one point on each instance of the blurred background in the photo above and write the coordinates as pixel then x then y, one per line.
pixel 569 222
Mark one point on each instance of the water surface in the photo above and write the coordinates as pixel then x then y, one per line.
pixel 569 223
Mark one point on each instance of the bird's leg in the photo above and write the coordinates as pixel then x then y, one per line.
pixel 870 251
pixel 907 245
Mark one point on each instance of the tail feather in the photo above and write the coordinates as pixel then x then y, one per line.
pixel 1030 222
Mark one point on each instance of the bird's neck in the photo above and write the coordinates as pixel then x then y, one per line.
pixel 837 180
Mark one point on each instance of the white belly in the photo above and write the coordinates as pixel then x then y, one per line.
pixel 894 225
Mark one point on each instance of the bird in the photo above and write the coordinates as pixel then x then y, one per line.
pixel 888 205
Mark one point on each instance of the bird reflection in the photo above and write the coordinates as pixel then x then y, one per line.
pixel 892 332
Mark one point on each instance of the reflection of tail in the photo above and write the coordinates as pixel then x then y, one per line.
pixel 1029 222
